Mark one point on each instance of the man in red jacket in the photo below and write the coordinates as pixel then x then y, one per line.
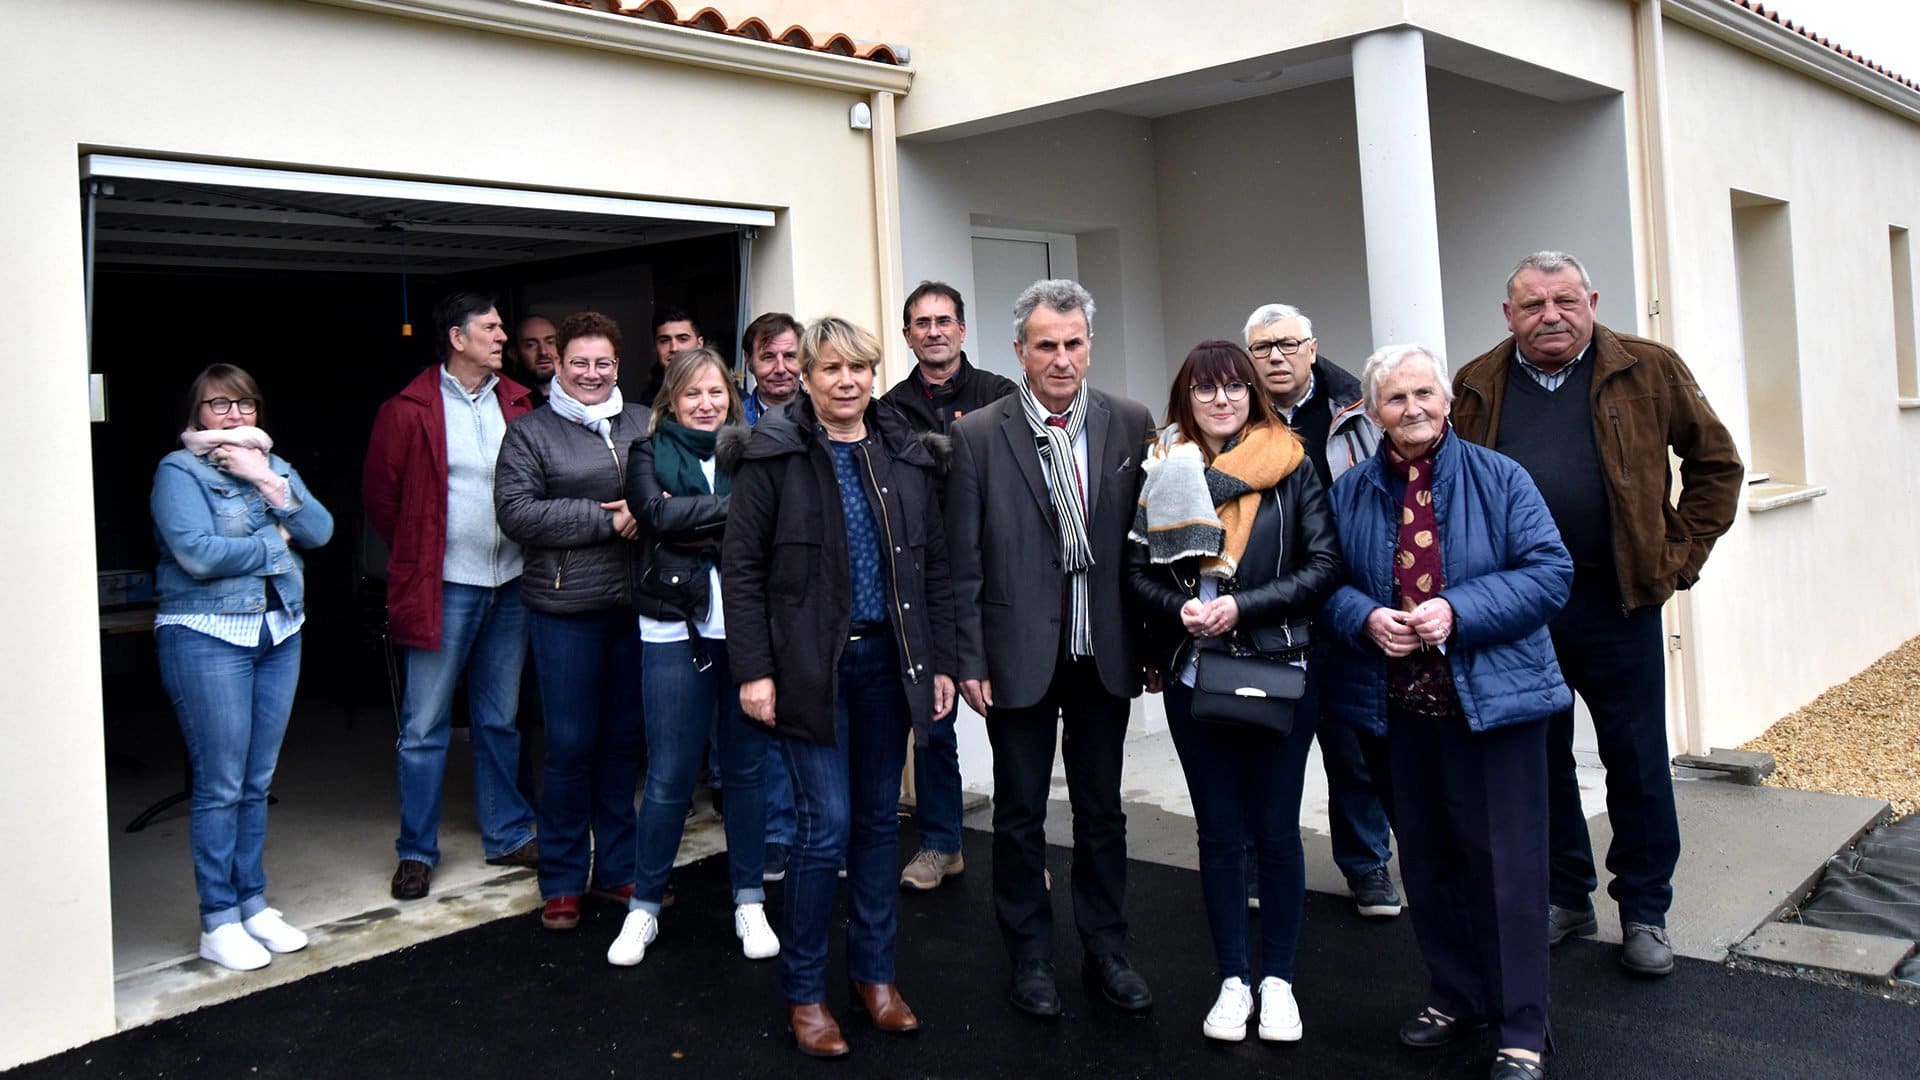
pixel 453 584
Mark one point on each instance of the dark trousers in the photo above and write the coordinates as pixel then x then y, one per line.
pixel 1092 727
pixel 1245 785
pixel 1615 664
pixel 1471 812
pixel 590 666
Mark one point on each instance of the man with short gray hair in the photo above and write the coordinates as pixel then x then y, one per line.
pixel 1039 503
pixel 1321 403
pixel 1591 414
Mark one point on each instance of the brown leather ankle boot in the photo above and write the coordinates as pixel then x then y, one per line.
pixel 814 1030
pixel 884 1006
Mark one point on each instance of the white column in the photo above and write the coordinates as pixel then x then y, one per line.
pixel 1396 188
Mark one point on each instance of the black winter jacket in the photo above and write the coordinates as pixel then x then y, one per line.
pixel 972 388
pixel 1291 565
pixel 548 484
pixel 680 520
pixel 788 594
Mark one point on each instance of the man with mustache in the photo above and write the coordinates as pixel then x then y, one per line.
pixel 1591 415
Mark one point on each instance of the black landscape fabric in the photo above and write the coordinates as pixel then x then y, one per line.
pixel 1874 888
pixel 510 999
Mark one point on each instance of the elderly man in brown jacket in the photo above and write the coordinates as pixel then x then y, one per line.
pixel 1591 415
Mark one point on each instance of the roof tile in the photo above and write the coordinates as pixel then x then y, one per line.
pixel 1824 42
pixel 713 21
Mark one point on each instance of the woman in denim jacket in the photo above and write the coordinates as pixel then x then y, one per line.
pixel 227 515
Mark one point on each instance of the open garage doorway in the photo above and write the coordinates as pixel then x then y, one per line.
pixel 309 281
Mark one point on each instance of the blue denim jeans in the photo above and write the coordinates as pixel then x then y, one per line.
pixel 483 638
pixel 847 799
pixel 233 705
pixel 779 789
pixel 682 703
pixel 590 686
pixel 936 788
pixel 1245 785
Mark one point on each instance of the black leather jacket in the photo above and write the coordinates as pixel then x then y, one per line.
pixel 1292 564
pixel 686 521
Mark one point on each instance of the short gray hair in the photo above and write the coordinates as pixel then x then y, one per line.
pixel 1060 294
pixel 1549 262
pixel 1388 357
pixel 1268 314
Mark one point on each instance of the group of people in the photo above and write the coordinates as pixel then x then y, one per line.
pixel 799 581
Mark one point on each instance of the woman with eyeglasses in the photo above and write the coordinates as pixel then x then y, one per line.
pixel 228 515
pixel 1232 552
pixel 559 491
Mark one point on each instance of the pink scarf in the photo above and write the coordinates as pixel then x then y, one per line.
pixel 202 443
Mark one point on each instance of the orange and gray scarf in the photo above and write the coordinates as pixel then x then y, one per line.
pixel 1189 508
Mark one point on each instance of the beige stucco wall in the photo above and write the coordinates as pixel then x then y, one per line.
pixel 305 86
pixel 1798 598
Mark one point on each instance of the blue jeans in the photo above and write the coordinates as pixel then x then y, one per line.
pixel 233 705
pixel 483 637
pixel 936 788
pixel 847 799
pixel 1246 783
pixel 590 685
pixel 1357 819
pixel 781 822
pixel 682 704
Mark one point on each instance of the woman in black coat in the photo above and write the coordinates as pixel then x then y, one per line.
pixel 840 630
pixel 1233 551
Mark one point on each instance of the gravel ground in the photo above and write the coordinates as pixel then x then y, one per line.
pixel 1861 737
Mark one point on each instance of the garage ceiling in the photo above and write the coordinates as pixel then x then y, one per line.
pixel 154 213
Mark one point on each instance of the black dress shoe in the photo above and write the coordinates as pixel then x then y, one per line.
pixel 1647 950
pixel 1429 1029
pixel 1508 1067
pixel 1033 991
pixel 1564 922
pixel 1117 982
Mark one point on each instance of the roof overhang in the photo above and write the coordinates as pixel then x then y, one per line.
pixel 1743 29
pixel 652 40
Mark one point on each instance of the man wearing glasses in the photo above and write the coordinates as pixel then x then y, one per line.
pixel 1321 403
pixel 942 387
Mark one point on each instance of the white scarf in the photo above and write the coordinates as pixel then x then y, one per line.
pixel 202 443
pixel 1055 446
pixel 598 417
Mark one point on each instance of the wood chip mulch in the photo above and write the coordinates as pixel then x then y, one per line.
pixel 1861 737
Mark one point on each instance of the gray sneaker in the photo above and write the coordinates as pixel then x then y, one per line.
pixel 927 869
pixel 1374 895
pixel 1647 950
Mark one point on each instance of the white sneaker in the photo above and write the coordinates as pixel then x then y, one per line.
pixel 1227 1020
pixel 1279 1013
pixel 757 939
pixel 230 946
pixel 269 929
pixel 636 934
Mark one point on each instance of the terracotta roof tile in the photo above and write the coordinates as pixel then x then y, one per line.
pixel 713 21
pixel 1824 42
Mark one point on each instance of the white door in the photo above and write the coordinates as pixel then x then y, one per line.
pixel 1005 262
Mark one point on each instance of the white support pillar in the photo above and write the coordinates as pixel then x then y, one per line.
pixel 1396 188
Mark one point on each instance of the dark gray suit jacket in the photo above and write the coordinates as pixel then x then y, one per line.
pixel 1005 547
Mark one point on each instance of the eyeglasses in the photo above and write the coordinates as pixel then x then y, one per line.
pixel 222 405
pixel 1287 347
pixel 944 323
pixel 1205 392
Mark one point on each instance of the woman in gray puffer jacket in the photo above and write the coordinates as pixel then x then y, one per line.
pixel 558 491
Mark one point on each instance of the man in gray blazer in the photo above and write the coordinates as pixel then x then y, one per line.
pixel 1040 498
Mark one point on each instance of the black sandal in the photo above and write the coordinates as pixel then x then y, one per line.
pixel 1508 1067
pixel 1429 1029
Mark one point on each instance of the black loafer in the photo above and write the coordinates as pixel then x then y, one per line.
pixel 1033 991
pixel 1429 1029
pixel 1508 1067
pixel 1117 981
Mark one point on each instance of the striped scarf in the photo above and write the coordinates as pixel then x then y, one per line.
pixel 1055 445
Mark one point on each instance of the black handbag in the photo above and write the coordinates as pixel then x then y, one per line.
pixel 675 583
pixel 1249 689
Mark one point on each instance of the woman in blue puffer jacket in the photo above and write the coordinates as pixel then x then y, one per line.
pixel 1454 566
pixel 227 516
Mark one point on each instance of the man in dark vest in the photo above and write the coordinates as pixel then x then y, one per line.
pixel 942 387
pixel 1591 414
pixel 1321 403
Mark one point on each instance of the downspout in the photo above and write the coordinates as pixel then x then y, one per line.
pixel 1657 321
pixel 886 227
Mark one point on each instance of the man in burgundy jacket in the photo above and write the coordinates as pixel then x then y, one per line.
pixel 453 584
